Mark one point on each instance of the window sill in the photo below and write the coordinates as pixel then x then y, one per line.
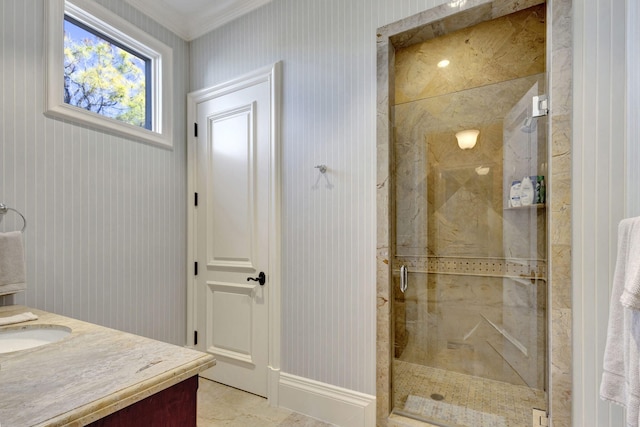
pixel 112 126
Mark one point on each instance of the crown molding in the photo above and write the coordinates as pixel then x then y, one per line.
pixel 190 26
pixel 164 14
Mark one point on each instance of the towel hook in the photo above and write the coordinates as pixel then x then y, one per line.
pixel 4 209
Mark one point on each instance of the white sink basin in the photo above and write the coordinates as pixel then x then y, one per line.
pixel 17 339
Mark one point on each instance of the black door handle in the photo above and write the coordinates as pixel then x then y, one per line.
pixel 260 279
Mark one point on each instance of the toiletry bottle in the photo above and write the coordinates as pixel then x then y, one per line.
pixel 536 189
pixel 514 195
pixel 526 192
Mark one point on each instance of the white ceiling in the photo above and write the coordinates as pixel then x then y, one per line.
pixel 190 19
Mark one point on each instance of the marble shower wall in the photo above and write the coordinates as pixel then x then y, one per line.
pixel 498 50
pixel 450 203
pixel 451 321
pixel 444 205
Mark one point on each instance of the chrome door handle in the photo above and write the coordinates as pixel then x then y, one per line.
pixel 404 278
pixel 260 279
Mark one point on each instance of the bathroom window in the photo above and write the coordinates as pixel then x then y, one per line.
pixel 104 76
pixel 105 73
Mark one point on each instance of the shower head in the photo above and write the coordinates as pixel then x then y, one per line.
pixel 529 125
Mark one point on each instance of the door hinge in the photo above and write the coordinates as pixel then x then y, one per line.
pixel 195 337
pixel 195 130
pixel 540 106
pixel 195 199
pixel 540 418
pixel 195 268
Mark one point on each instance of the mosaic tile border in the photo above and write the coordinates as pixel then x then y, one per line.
pixel 476 266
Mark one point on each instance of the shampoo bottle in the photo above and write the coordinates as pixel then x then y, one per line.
pixel 527 192
pixel 514 195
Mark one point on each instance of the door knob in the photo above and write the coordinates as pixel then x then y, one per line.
pixel 260 279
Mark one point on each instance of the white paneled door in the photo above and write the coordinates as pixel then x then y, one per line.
pixel 231 233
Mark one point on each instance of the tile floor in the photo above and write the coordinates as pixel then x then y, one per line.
pixel 219 405
pixel 513 403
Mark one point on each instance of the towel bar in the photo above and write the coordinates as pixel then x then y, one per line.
pixel 4 209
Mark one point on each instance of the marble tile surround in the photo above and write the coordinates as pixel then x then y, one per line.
pixel 455 322
pixel 461 219
pixel 443 206
pixel 504 49
pixel 435 22
pixel 446 207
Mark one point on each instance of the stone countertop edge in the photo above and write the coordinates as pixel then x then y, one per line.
pixel 153 381
pixel 128 396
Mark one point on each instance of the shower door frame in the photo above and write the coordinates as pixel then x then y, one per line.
pixel 409 31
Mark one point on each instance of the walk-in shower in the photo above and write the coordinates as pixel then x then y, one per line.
pixel 468 227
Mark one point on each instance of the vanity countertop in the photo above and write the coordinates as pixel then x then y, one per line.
pixel 93 372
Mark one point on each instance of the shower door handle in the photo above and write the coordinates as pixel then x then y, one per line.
pixel 404 278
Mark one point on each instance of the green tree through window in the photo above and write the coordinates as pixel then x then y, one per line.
pixel 105 77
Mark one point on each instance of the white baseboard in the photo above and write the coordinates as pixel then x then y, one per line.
pixel 326 402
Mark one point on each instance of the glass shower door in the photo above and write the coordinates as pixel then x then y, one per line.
pixel 469 222
pixel 470 313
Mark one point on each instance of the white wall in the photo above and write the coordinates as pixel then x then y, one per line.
pixel 598 190
pixel 107 216
pixel 633 108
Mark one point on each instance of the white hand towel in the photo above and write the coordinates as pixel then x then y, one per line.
pixel 12 265
pixel 631 292
pixel 621 374
pixel 18 318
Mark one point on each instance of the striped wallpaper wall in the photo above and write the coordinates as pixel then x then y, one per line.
pixel 633 108
pixel 106 235
pixel 328 49
pixel 599 190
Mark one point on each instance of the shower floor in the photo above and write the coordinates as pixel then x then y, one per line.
pixel 466 397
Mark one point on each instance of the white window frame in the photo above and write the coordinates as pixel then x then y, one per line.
pixel 115 27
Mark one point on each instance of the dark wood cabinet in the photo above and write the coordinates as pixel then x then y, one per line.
pixel 172 407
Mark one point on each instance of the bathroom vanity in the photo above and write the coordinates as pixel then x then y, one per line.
pixel 97 376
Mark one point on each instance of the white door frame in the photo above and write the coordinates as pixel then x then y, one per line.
pixel 271 74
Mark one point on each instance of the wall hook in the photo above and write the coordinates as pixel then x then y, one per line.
pixel 321 168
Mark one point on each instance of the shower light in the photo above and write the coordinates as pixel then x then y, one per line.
pixel 482 170
pixel 443 63
pixel 467 138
